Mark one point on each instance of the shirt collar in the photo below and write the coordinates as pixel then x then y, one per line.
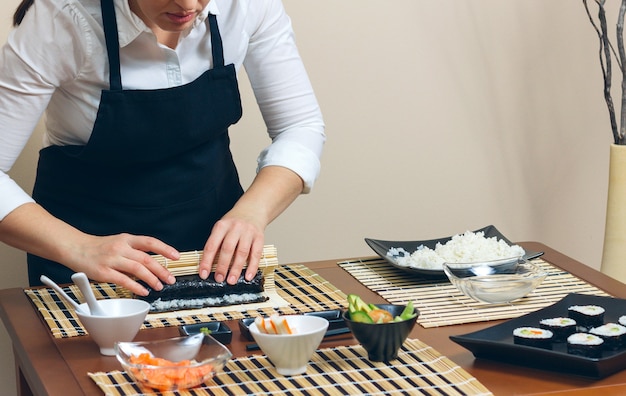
pixel 129 25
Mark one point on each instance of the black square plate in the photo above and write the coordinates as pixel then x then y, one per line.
pixel 496 342
pixel 381 247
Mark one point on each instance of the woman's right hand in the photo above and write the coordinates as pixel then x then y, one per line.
pixel 119 258
pixel 116 258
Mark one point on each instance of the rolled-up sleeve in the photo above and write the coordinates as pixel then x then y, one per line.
pixel 31 70
pixel 285 97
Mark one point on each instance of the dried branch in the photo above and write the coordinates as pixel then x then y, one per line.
pixel 622 56
pixel 606 64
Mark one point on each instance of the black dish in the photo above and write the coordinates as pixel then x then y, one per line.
pixel 335 322
pixel 496 342
pixel 382 340
pixel 219 331
pixel 381 247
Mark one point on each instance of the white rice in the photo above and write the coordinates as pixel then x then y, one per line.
pixel 194 303
pixel 462 248
pixel 608 330
pixel 589 310
pixel 584 339
pixel 558 322
pixel 532 332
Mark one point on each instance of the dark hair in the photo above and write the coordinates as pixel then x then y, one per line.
pixel 20 11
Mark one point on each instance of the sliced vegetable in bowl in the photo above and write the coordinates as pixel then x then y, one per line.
pixel 380 339
pixel 275 324
pixel 360 311
pixel 173 364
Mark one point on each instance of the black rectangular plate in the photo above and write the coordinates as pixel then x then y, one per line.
pixel 335 321
pixel 220 331
pixel 381 247
pixel 496 342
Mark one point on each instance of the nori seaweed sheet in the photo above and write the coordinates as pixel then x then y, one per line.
pixel 192 286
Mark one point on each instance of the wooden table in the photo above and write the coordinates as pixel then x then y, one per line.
pixel 49 366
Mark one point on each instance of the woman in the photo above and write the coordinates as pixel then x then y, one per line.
pixel 138 97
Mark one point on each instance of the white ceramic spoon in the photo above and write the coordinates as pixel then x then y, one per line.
pixel 49 282
pixel 80 279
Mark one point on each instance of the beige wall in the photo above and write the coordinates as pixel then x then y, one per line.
pixel 441 117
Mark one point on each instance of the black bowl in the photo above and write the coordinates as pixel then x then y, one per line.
pixel 382 340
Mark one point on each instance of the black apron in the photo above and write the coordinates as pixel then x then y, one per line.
pixel 158 161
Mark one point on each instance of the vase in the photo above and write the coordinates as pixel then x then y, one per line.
pixel 614 250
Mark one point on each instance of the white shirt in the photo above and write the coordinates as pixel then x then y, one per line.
pixel 55 62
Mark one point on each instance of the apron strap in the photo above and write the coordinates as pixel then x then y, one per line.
pixel 109 23
pixel 111 37
pixel 216 42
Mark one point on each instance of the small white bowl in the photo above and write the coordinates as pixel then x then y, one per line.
pixel 495 282
pixel 290 353
pixel 124 319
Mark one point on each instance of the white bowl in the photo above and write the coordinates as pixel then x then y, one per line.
pixel 124 319
pixel 290 353
pixel 495 282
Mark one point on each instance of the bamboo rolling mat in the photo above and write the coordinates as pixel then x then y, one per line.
pixel 303 290
pixel 441 304
pixel 419 369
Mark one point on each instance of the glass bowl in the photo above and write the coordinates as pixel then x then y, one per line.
pixel 173 364
pixel 495 282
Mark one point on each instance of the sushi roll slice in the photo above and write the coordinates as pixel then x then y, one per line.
pixel 587 316
pixel 613 334
pixel 560 327
pixel 533 336
pixel 585 344
pixel 622 320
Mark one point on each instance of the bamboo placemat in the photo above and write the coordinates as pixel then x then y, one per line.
pixel 345 370
pixel 303 289
pixel 441 304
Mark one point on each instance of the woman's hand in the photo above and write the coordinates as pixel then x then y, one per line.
pixel 117 258
pixel 235 240
pixel 238 238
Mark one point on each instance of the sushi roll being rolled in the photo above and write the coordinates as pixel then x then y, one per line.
pixel 585 344
pixel 613 334
pixel 587 316
pixel 560 327
pixel 533 336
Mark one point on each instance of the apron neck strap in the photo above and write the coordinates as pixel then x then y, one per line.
pixel 109 23
pixel 216 42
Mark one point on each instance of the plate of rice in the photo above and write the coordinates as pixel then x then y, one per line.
pixel 425 258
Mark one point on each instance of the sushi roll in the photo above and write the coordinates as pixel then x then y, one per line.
pixel 560 327
pixel 622 320
pixel 584 344
pixel 587 316
pixel 613 334
pixel 533 336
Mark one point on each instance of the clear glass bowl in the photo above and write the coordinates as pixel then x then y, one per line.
pixel 193 360
pixel 495 282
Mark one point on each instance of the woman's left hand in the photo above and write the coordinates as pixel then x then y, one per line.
pixel 238 237
pixel 235 240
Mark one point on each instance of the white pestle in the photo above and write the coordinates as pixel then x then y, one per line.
pixel 80 279
pixel 49 282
